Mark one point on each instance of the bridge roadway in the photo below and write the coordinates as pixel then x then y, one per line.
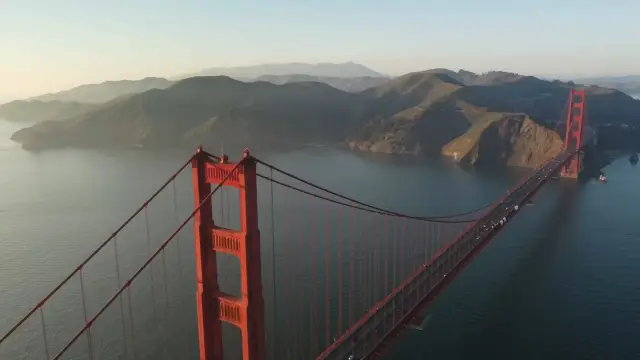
pixel 369 336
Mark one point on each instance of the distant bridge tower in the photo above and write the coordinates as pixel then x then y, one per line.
pixel 214 306
pixel 573 136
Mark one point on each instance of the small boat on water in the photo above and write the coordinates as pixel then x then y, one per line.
pixel 602 178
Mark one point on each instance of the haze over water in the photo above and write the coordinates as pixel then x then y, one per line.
pixel 559 282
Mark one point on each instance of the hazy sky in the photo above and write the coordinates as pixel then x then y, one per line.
pixel 49 45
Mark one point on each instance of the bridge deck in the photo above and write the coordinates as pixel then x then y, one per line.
pixel 368 337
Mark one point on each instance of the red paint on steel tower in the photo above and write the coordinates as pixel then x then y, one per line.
pixel 213 306
pixel 573 135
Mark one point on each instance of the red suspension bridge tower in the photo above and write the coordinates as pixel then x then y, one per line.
pixel 573 135
pixel 214 306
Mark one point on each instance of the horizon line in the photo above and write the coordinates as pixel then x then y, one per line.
pixel 8 98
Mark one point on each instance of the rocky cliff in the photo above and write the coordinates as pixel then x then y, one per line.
pixel 511 139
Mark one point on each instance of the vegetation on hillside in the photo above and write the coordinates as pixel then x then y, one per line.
pixel 479 118
pixel 494 117
pixel 207 110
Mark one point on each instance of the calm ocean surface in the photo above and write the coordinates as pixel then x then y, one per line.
pixel 560 282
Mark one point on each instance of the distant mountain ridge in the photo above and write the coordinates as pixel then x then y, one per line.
pixel 85 96
pixel 342 70
pixel 105 91
pixel 350 84
pixel 629 84
pixel 492 118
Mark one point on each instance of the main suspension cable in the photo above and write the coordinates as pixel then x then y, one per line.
pixel 378 210
pixel 365 207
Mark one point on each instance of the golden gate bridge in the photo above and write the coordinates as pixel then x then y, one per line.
pixel 351 276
